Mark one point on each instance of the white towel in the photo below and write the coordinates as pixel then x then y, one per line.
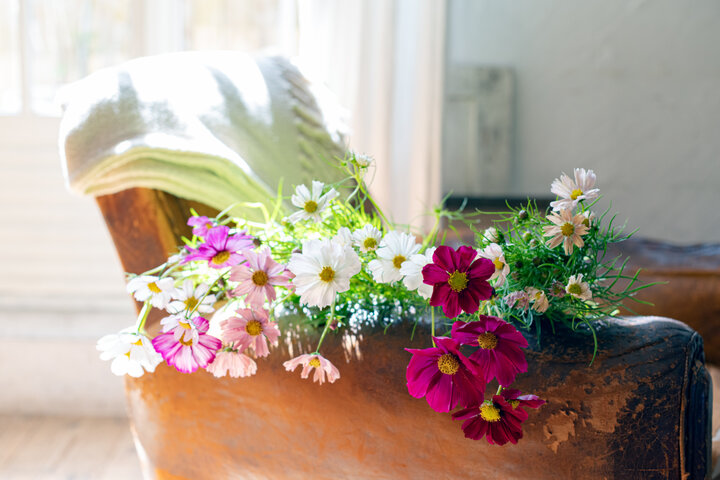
pixel 215 127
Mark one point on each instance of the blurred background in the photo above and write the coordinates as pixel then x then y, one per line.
pixel 483 99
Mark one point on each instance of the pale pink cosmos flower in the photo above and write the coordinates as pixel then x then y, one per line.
pixel 517 299
pixel 570 192
pixel 322 367
pixel 539 299
pixel 494 253
pixel 232 363
pixel 258 277
pixel 252 329
pixel 187 346
pixel 578 288
pixel 567 229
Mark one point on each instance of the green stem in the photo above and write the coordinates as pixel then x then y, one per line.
pixel 327 327
pixel 432 326
pixel 189 314
pixel 143 315
pixel 499 390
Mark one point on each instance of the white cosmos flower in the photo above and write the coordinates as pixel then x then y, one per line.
pixel 412 271
pixel 131 353
pixel 567 229
pixel 363 161
pixel 158 290
pixel 395 248
pixel 188 297
pixel 577 288
pixel 311 204
pixel 494 253
pixel 367 238
pixel 322 270
pixel 344 237
pixel 570 192
pixel 539 299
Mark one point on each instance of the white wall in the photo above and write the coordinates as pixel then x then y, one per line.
pixel 630 89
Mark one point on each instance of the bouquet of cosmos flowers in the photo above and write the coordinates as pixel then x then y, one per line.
pixel 340 263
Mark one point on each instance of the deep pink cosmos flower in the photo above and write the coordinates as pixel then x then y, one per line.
pixel 444 376
pixel 221 250
pixel 500 355
pixel 495 419
pixel 251 328
pixel 259 277
pixel 187 346
pixel 459 280
pixel 201 225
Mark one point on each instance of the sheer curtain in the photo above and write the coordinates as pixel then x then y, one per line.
pixel 384 60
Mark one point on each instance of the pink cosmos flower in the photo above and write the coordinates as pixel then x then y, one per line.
pixel 322 367
pixel 519 299
pixel 201 225
pixel 187 346
pixel 459 280
pixel 515 398
pixel 221 250
pixel 443 376
pixel 251 329
pixel 495 419
pixel 259 277
pixel 233 363
pixel 500 355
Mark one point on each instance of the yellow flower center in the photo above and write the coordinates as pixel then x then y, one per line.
pixel 458 281
pixel 220 257
pixel 514 403
pixel 185 325
pixel 574 288
pixel 567 229
pixel 253 328
pixel 208 225
pixel 370 243
pixel 154 288
pixel 311 206
pixel 260 278
pixel 490 413
pixel 327 274
pixel 187 343
pixel 191 303
pixel 487 340
pixel 448 364
pixel 314 362
pixel 586 222
pixel 499 265
pixel 138 343
pixel 398 261
pixel 575 193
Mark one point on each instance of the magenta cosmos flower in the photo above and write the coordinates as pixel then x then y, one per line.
pixel 322 367
pixel 221 249
pixel 259 277
pixel 251 328
pixel 459 280
pixel 495 419
pixel 187 346
pixel 443 376
pixel 500 355
pixel 201 225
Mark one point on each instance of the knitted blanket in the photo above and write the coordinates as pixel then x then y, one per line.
pixel 215 127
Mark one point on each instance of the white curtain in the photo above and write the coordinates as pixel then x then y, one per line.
pixel 384 60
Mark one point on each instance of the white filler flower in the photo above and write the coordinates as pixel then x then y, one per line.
pixel 131 353
pixel 394 250
pixel 158 290
pixel 494 253
pixel 367 238
pixel 412 271
pixel 312 203
pixel 322 270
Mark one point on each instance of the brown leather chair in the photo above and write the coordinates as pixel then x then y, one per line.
pixel 641 410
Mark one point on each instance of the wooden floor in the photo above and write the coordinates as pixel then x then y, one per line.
pixel 67 448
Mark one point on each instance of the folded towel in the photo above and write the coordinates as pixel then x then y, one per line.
pixel 215 127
